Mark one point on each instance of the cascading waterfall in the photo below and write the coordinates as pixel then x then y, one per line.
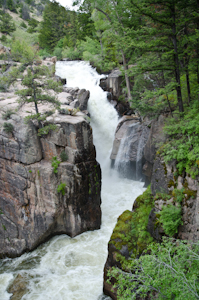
pixel 123 161
pixel 67 268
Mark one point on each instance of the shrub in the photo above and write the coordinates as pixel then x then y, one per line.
pixel 46 129
pixel 23 24
pixel 58 53
pixel 8 127
pixel 55 164
pixel 61 188
pixel 171 218
pixel 64 111
pixel 183 141
pixel 166 271
pixel 63 156
pixel 6 115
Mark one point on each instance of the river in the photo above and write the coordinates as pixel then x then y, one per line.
pixel 67 268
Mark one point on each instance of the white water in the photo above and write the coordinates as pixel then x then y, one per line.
pixel 72 269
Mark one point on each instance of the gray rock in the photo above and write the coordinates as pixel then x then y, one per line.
pixel 31 208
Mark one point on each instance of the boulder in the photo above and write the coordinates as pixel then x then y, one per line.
pixel 83 96
pixel 112 83
pixel 38 200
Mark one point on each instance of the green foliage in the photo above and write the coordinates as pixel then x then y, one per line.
pixel 171 218
pixel 58 52
pixel 11 5
pixel 55 164
pixel 75 111
pixel 183 141
pixel 23 24
pixel 6 115
pixel 44 53
pixel 46 129
pixel 53 26
pixel 32 25
pixel 178 195
pixel 7 25
pixel 64 111
pixel 22 52
pixel 63 156
pixel 134 233
pixel 61 188
pixel 166 271
pixel 8 127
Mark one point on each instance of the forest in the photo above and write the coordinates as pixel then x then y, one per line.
pixel 155 44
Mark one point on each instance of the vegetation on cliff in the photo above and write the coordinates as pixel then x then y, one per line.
pixel 165 271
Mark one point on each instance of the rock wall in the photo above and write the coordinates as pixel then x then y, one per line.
pixel 165 180
pixel 144 138
pixel 31 208
pixel 136 229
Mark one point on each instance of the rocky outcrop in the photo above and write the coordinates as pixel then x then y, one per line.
pixel 155 139
pixel 76 98
pixel 38 200
pixel 128 146
pixel 164 181
pixel 142 142
pixel 113 86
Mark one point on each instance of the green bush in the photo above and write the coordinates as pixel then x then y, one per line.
pixel 55 164
pixel 183 141
pixel 61 188
pixel 58 53
pixel 63 156
pixel 171 218
pixel 23 24
pixel 8 127
pixel 6 115
pixel 166 271
pixel 46 129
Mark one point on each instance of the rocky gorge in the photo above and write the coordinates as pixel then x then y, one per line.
pixel 38 199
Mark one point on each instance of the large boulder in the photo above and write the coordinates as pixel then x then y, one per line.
pixel 38 200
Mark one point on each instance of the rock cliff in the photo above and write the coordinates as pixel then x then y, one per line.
pixel 136 143
pixel 38 200
pixel 136 229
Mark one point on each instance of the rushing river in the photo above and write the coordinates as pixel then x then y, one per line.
pixel 72 268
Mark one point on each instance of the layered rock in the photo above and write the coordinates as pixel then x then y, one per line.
pixel 32 208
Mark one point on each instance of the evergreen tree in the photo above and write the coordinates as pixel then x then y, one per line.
pixel 7 25
pixel 53 26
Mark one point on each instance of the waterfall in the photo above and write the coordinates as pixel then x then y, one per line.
pixel 67 268
pixel 123 159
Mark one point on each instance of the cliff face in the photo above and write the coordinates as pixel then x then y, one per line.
pixel 31 208
pixel 136 229
pixel 137 142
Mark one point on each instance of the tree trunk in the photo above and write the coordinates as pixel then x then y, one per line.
pixel 164 84
pixel 176 61
pixel 197 49
pixel 187 68
pixel 126 77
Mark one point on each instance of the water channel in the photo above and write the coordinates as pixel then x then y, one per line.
pixel 67 268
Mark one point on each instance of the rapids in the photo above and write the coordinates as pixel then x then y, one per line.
pixel 67 268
